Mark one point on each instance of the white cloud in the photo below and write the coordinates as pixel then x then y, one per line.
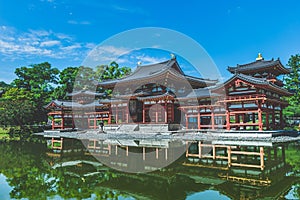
pixel 79 22
pixel 104 55
pixel 63 36
pixel 128 9
pixel 16 45
pixel 71 47
pixel 50 1
pixel 149 59
pixel 50 43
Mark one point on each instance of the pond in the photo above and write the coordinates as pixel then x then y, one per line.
pixel 35 171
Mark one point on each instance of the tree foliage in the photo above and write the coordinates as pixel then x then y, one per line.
pixel 86 79
pixel 292 83
pixel 109 72
pixel 39 81
pixel 112 71
pixel 292 80
pixel 4 87
pixel 37 77
pixel 22 103
pixel 17 108
pixel 66 82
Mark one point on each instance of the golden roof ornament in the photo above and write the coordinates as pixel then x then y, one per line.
pixel 172 56
pixel 259 57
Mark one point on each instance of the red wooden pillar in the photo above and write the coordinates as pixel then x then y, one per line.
pixel 144 120
pixel 122 114
pixel 199 119
pixel 273 117
pixel 53 123
pixel 261 153
pixel 166 113
pixel 127 113
pixel 116 117
pixel 172 111
pixel 156 112
pixel 212 118
pixel 109 115
pixel 62 121
pixel 260 122
pixel 227 119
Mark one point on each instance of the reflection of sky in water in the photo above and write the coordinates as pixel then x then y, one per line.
pixel 4 188
pixel 208 194
pixel 291 193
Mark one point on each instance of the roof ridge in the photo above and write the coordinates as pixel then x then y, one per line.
pixel 163 62
pixel 251 63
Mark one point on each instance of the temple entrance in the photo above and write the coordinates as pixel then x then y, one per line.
pixel 135 108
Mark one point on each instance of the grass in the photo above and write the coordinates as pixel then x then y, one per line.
pixel 4 134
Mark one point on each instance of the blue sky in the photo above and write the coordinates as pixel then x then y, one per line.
pixel 63 32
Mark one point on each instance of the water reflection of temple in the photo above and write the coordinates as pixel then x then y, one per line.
pixel 238 170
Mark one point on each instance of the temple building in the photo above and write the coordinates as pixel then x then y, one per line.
pixel 162 93
pixel 250 99
pixel 150 94
pixel 79 110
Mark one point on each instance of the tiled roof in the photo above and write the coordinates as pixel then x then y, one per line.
pixel 259 65
pixel 84 93
pixel 70 104
pixel 258 81
pixel 137 94
pixel 112 100
pixel 150 71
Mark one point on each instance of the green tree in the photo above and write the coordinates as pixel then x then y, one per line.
pixel 292 83
pixel 292 80
pixel 66 82
pixel 16 111
pixel 111 71
pixel 39 80
pixel 37 77
pixel 3 87
pixel 86 79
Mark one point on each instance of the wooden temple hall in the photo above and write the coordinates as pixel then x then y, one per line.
pixel 252 99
